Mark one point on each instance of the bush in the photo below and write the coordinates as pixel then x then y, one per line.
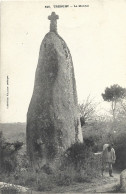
pixel 17 145
pixel 64 178
pixel 38 181
pixel 101 132
pixel 8 154
pixel 77 155
pixel 98 133
pixel 81 163
pixel 78 165
pixel 82 177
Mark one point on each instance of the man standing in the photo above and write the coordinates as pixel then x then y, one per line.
pixel 108 158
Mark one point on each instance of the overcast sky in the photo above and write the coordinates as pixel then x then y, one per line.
pixel 95 35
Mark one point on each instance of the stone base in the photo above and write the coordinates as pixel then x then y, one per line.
pixel 123 181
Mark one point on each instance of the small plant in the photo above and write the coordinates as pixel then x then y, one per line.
pixel 63 179
pixel 17 145
pixel 44 185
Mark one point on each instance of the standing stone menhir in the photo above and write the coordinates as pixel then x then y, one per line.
pixel 52 119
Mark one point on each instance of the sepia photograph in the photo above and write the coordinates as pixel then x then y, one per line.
pixel 63 96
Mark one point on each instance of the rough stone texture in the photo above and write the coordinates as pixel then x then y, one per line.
pixel 6 188
pixel 52 119
pixel 123 181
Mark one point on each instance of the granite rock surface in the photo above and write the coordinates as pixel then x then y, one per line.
pixel 53 123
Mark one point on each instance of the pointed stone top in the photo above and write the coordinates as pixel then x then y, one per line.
pixel 53 22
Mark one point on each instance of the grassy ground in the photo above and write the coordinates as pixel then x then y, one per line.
pixel 13 131
pixel 100 184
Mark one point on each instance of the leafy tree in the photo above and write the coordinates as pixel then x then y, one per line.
pixel 123 106
pixel 121 110
pixel 87 110
pixel 114 94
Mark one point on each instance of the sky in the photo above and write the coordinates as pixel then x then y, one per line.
pixel 95 35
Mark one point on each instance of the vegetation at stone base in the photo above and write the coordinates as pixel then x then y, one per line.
pixel 80 166
pixel 79 155
pixel 40 181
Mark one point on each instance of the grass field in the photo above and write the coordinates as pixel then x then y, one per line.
pixel 14 131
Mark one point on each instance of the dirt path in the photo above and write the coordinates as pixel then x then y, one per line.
pixel 104 184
